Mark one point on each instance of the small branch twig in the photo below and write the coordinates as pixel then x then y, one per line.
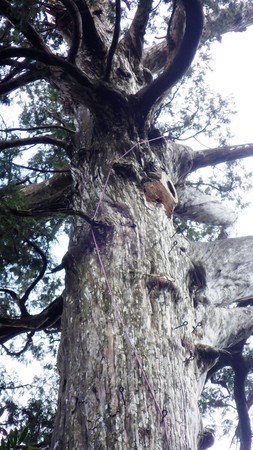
pixel 28 291
pixel 31 141
pixel 43 127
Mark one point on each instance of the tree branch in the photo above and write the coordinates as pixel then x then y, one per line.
pixel 231 21
pixel 35 169
pixel 14 83
pixel 229 269
pixel 241 371
pixel 77 29
pixel 155 56
pixel 34 140
pixel 203 208
pixel 210 157
pixel 21 301
pixel 50 317
pixel 21 24
pixel 147 96
pixel 114 41
pixel 48 197
pixel 40 275
pixel 42 127
pixel 91 38
pixel 47 59
pixel 134 38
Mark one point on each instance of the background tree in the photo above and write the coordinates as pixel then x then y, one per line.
pixel 145 314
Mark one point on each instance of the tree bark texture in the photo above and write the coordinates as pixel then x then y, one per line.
pixel 146 313
pixel 127 371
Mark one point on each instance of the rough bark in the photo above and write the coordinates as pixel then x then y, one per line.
pixel 123 316
pixel 145 312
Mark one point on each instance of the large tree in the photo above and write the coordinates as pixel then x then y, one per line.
pixel 145 314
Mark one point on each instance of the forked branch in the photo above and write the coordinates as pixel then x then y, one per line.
pixel 49 318
pixel 184 55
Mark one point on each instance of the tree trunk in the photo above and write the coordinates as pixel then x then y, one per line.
pixel 143 321
pixel 127 371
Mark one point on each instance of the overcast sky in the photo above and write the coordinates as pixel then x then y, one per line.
pixel 233 74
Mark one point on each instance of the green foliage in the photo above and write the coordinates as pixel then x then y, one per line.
pixel 15 439
pixel 35 413
pixel 217 399
pixel 228 182
pixel 195 231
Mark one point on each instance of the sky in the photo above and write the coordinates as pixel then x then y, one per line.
pixel 233 74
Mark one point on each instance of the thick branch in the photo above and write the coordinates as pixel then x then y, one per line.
pixel 184 56
pixel 34 140
pixel 47 198
pixel 156 56
pixel 210 157
pixel 77 29
pixel 114 41
pixel 50 196
pixel 44 199
pixel 134 38
pixel 49 318
pixel 91 38
pixel 14 83
pixel 47 59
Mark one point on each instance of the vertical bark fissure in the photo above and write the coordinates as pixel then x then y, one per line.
pixel 143 285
